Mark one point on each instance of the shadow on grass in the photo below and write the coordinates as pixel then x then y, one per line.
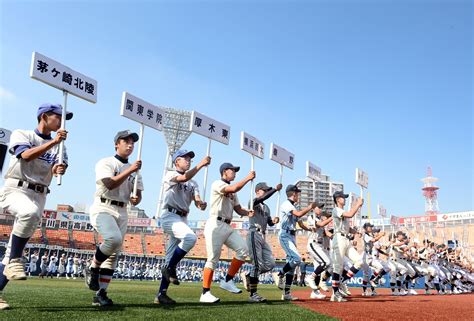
pixel 152 306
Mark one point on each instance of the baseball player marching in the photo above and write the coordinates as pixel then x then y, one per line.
pixel 368 259
pixel 342 245
pixel 33 263
pixel 316 248
pixel 44 264
pixel 33 162
pixel 62 265
pixel 115 178
pixel 290 215
pixel 259 251
pixel 218 231
pixel 180 190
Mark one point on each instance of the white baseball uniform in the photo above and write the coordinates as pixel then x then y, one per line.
pixel 315 246
pixel 218 231
pixel 108 214
pixel 26 183
pixel 33 260
pixel 174 221
pixel 341 245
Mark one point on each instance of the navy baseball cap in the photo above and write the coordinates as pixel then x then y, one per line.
pixel 367 225
pixel 182 153
pixel 228 166
pixel 292 188
pixel 262 186
pixel 319 204
pixel 55 108
pixel 125 134
pixel 339 194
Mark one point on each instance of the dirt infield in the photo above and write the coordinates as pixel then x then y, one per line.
pixel 387 307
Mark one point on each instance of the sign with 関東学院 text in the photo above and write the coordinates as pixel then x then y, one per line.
pixel 141 111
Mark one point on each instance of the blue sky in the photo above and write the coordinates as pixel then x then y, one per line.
pixel 381 85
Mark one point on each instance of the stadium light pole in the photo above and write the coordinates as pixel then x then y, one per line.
pixel 176 131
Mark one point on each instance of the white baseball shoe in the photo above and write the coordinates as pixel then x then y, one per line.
pixel 3 304
pixel 288 297
pixel 323 286
pixel 412 292
pixel 279 280
pixel 311 283
pixel 245 280
pixel 256 298
pixel 315 294
pixel 230 286
pixel 337 297
pixel 402 292
pixel 365 293
pixel 395 293
pixel 373 284
pixel 208 298
pixel 15 270
pixel 345 289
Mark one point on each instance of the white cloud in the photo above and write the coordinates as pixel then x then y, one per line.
pixel 6 95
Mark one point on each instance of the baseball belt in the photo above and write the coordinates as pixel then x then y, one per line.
pixel 38 188
pixel 112 202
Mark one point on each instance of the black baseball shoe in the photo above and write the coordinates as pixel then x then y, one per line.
pixel 170 275
pixel 164 299
pixel 92 278
pixel 101 299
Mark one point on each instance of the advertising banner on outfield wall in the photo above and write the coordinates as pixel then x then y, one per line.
pixel 455 216
pixel 140 222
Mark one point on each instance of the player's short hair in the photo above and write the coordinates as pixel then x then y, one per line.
pixel 49 113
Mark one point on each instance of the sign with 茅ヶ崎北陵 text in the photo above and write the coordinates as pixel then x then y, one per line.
pixel 141 111
pixel 62 77
pixel 210 128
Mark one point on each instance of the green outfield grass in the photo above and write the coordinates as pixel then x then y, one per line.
pixel 42 299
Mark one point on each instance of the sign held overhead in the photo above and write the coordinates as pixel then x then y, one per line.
pixel 210 128
pixel 252 145
pixel 62 77
pixel 141 111
pixel 313 172
pixel 282 156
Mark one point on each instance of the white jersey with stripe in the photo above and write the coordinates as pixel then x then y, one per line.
pixel 368 244
pixel 319 235
pixel 179 195
pixel 375 249
pixel 37 171
pixel 222 204
pixel 341 223
pixel 52 260
pixel 110 167
pixel 398 251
